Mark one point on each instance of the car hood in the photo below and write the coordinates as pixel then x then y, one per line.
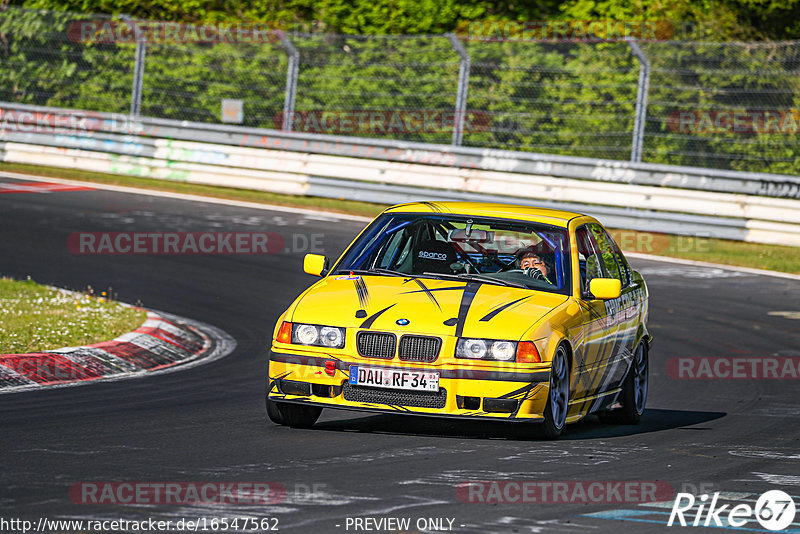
pixel 439 307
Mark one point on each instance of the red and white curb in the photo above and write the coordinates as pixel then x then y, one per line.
pixel 164 343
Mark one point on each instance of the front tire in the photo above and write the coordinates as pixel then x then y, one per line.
pixel 634 391
pixel 293 415
pixel 274 413
pixel 555 412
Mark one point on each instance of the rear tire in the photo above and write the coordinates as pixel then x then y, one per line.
pixel 634 391
pixel 555 412
pixel 293 415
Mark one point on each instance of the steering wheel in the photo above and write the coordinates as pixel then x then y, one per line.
pixel 507 267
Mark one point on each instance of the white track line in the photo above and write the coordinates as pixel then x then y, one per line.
pixel 347 217
pixel 186 196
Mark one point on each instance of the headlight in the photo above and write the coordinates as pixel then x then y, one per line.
pixel 319 336
pixel 471 348
pixel 486 349
pixel 306 334
pixel 331 337
pixel 503 350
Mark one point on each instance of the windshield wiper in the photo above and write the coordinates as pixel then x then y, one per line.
pixel 376 270
pixel 480 278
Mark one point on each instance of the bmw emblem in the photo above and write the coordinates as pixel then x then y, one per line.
pixel 402 322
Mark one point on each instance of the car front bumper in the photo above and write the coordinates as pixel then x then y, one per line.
pixel 502 394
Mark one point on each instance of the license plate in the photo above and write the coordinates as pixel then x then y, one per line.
pixel 385 377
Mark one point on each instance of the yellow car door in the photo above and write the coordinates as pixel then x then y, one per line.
pixel 600 322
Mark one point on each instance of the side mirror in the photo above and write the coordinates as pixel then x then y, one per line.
pixel 605 288
pixel 315 264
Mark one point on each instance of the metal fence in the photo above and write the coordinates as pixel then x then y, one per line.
pixel 718 105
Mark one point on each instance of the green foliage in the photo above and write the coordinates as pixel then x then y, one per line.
pixel 39 64
pixel 375 17
pixel 728 20
pixel 743 20
pixel 572 98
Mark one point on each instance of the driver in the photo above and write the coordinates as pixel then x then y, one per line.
pixel 533 264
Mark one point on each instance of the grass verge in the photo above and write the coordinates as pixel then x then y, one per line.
pixel 758 256
pixel 34 317
pixel 754 255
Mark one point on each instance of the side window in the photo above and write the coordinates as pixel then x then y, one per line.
pixel 589 258
pixel 608 251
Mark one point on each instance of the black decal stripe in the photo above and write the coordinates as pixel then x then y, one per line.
pixel 434 289
pixel 427 292
pixel 521 391
pixel 470 290
pixel 433 207
pixel 469 374
pixel 274 381
pixel 493 313
pixel 602 356
pixel 528 395
pixel 371 319
pixel 362 291
pixel 296 359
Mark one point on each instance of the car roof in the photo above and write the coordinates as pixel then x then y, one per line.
pixel 488 209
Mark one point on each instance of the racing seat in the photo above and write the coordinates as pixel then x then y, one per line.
pixel 432 256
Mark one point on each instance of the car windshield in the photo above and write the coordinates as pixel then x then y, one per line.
pixel 495 251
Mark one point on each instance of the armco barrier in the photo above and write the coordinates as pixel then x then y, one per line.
pixel 732 205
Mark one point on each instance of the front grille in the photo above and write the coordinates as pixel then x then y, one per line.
pixel 395 397
pixel 419 348
pixel 376 344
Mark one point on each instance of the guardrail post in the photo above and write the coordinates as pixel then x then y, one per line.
pixel 463 88
pixel 138 67
pixel 291 82
pixel 641 102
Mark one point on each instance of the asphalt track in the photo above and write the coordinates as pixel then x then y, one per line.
pixel 208 423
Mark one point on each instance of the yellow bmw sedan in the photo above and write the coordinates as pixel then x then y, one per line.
pixel 472 310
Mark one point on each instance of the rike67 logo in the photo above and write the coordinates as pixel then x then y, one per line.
pixel 774 510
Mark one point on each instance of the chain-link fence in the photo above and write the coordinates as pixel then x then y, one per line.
pixel 718 105
pixel 721 105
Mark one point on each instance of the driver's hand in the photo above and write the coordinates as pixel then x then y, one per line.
pixel 533 272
